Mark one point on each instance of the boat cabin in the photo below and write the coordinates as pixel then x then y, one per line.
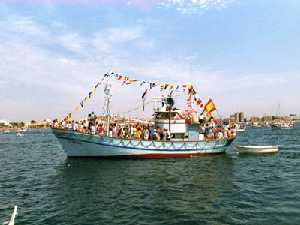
pixel 168 117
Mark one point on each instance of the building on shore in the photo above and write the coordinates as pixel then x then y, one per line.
pixel 238 117
pixel 4 123
pixel 38 124
pixel 295 118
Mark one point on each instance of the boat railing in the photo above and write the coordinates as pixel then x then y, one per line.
pixel 160 141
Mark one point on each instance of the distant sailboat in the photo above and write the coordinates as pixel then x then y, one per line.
pixel 281 123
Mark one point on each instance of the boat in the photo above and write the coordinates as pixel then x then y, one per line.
pixel 19 134
pixel 23 129
pixel 13 217
pixel 256 149
pixel 241 130
pixel 282 122
pixel 282 125
pixel 182 139
pixel 87 145
pixel 240 127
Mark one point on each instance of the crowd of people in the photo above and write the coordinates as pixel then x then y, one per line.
pixel 139 131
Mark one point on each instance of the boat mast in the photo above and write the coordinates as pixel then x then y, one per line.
pixel 107 101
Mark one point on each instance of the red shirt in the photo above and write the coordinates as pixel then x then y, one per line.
pixel 101 131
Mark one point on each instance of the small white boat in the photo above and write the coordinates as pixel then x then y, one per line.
pixel 23 129
pixel 13 217
pixel 240 129
pixel 256 149
pixel 19 134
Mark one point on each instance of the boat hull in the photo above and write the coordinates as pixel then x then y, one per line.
pixel 86 145
pixel 257 149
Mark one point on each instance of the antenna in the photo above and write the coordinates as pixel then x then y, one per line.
pixel 107 98
pixel 107 101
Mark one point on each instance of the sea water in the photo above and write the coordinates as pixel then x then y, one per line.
pixel 227 189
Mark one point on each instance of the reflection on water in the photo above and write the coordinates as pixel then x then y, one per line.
pixel 225 189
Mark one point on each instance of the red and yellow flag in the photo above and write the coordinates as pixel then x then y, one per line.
pixel 209 106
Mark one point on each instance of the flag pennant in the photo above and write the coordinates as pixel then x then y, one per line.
pixel 77 109
pixel 161 87
pixel 131 81
pixel 144 98
pixel 119 77
pixel 152 85
pixel 170 86
pixel 145 93
pixel 94 91
pixel 81 104
pixel 142 83
pixel 198 102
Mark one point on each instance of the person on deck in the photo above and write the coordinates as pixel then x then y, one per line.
pixel 101 130
pixel 164 134
pixel 146 134
pixel 114 130
pixel 110 131
pixel 138 133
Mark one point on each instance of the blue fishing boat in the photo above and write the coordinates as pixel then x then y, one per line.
pixel 183 134
pixel 87 145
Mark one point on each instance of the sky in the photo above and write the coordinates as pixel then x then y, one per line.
pixel 244 54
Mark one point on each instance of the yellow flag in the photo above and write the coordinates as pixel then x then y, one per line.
pixel 77 109
pixel 94 91
pixel 209 106
pixel 162 86
pixel 131 81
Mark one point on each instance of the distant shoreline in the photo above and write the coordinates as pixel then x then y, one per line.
pixel 2 129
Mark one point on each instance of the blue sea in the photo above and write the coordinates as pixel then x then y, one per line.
pixel 230 189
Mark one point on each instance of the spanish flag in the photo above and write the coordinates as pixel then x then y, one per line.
pixel 209 106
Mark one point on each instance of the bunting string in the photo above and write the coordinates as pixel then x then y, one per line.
pixel 149 85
